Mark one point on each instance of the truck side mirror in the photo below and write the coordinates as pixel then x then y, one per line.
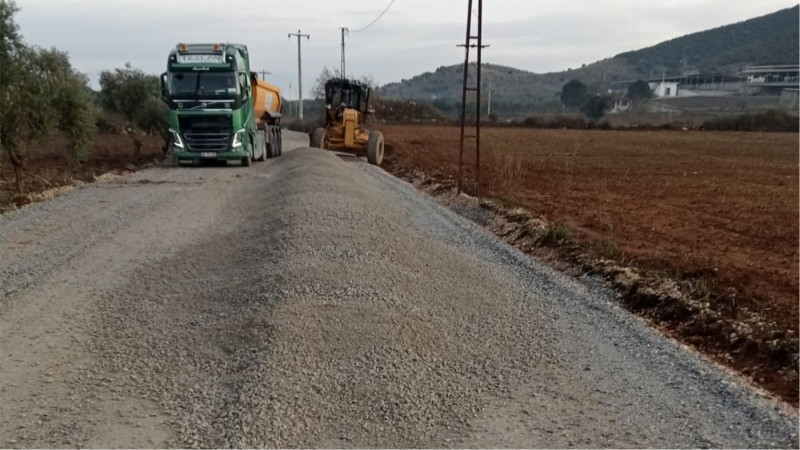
pixel 164 90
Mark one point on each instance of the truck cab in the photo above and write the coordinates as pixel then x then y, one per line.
pixel 209 91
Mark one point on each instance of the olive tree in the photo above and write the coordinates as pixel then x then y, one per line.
pixel 640 90
pixel 595 107
pixel 41 93
pixel 134 95
pixel 574 94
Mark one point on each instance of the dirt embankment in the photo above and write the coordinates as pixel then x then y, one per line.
pixel 697 229
pixel 48 167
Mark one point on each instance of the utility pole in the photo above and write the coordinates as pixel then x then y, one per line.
pixel 264 74
pixel 479 46
pixel 299 70
pixel 345 30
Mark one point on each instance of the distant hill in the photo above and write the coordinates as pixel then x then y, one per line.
pixel 770 39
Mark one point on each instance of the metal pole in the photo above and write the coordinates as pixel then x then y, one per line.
pixel 344 31
pixel 300 74
pixel 299 70
pixel 478 104
pixel 464 100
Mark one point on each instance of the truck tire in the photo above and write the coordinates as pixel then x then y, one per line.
pixel 271 144
pixel 247 160
pixel 264 147
pixel 279 140
pixel 318 137
pixel 375 148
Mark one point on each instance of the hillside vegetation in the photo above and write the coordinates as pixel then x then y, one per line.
pixel 770 39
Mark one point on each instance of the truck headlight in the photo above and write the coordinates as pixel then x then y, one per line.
pixel 237 140
pixel 176 139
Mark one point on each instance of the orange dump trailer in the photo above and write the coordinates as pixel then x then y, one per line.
pixel 267 98
pixel 267 107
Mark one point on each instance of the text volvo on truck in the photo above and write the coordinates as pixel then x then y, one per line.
pixel 218 109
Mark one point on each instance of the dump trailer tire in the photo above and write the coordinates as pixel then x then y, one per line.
pixel 375 148
pixel 271 145
pixel 318 137
pixel 264 147
pixel 278 142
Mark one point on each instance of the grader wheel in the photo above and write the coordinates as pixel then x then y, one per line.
pixel 375 148
pixel 318 137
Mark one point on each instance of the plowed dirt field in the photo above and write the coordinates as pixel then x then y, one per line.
pixel 721 206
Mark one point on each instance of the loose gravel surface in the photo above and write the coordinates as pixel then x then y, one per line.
pixel 316 301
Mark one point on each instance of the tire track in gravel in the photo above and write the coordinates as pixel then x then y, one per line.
pixel 56 391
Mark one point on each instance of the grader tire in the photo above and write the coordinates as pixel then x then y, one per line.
pixel 318 137
pixel 375 148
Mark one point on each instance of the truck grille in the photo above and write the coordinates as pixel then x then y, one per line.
pixel 206 133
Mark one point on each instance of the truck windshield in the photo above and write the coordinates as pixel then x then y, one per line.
pixel 203 84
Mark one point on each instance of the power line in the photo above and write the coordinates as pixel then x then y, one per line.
pixel 376 19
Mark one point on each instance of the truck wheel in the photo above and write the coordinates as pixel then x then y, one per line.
pixel 271 144
pixel 318 137
pixel 247 160
pixel 264 147
pixel 279 141
pixel 375 148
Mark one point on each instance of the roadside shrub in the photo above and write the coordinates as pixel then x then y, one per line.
pixel 596 107
pixel 532 122
pixel 772 120
pixel 133 95
pixel 557 233
pixel 608 249
pixel 512 174
pixel 404 111
pixel 109 123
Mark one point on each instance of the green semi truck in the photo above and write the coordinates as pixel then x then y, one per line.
pixel 218 109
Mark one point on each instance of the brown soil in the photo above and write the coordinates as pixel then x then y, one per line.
pixel 48 165
pixel 718 210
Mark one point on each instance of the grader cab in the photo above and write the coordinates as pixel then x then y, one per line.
pixel 347 107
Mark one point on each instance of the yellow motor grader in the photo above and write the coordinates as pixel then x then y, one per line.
pixel 347 107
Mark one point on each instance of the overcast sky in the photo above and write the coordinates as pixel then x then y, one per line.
pixel 413 37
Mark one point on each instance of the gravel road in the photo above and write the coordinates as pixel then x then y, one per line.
pixel 317 301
